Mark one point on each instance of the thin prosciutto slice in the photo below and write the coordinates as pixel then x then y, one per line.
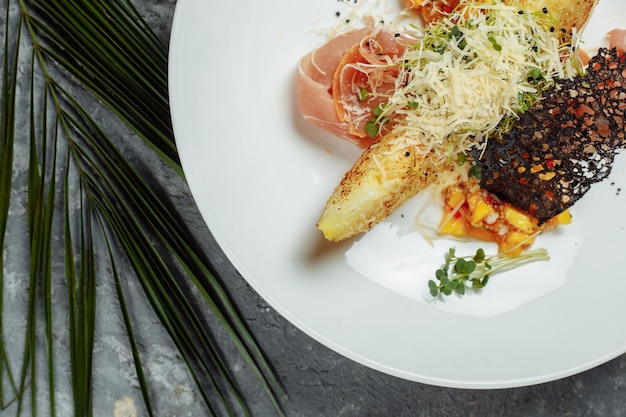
pixel 341 82
pixel 617 39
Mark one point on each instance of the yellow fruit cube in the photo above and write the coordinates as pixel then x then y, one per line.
pixel 456 226
pixel 480 209
pixel 518 220
pixel 564 217
pixel 515 242
pixel 455 199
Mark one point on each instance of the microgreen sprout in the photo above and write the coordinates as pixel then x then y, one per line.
pixel 536 75
pixel 412 104
pixel 474 271
pixel 372 125
pixel 495 43
pixel 476 171
pixel 523 103
pixel 439 48
pixel 371 128
pixel 457 34
pixel 363 94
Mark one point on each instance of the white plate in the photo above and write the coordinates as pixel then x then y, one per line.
pixel 261 175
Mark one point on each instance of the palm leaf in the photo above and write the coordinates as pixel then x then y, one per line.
pixel 82 189
pixel 7 127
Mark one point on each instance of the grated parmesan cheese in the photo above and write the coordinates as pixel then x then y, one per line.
pixel 483 63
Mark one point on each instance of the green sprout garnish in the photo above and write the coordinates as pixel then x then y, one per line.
pixel 459 272
pixel 412 104
pixel 439 48
pixel 523 103
pixel 363 94
pixel 372 125
pixel 476 171
pixel 495 43
pixel 458 35
pixel 371 128
pixel 536 75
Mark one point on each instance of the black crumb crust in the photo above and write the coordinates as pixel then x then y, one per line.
pixel 563 144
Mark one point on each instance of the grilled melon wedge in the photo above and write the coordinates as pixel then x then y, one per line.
pixel 569 15
pixel 386 175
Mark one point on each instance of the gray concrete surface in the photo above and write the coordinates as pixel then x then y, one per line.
pixel 318 381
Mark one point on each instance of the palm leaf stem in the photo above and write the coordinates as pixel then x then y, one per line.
pixel 35 210
pixel 43 251
pixel 81 291
pixel 7 126
pixel 70 281
pixel 141 378
pixel 84 305
pixel 175 321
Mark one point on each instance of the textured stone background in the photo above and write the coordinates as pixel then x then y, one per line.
pixel 318 381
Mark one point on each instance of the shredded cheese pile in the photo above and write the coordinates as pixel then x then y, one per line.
pixel 483 63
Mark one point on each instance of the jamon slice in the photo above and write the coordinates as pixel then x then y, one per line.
pixel 332 78
pixel 562 145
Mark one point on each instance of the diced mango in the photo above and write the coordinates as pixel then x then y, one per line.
pixel 455 199
pixel 518 238
pixel 483 234
pixel 479 209
pixel 456 226
pixel 514 242
pixel 518 220
pixel 564 217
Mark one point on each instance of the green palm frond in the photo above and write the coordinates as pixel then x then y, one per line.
pixel 84 194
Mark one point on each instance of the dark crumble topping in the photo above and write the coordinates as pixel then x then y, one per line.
pixel 563 144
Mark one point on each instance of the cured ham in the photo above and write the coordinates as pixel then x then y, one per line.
pixel 617 39
pixel 340 84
